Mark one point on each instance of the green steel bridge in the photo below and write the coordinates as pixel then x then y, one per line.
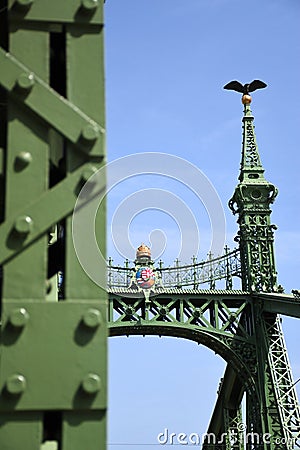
pixel 53 367
pixel 226 321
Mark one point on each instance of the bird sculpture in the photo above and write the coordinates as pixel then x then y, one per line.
pixel 245 89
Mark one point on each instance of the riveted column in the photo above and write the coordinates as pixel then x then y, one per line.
pixel 26 167
pixel 53 354
pixel 85 88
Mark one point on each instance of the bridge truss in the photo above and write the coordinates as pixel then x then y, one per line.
pixel 245 331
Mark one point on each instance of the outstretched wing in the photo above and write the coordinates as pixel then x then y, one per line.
pixel 235 86
pixel 256 84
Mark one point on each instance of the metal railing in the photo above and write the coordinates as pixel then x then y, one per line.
pixel 224 267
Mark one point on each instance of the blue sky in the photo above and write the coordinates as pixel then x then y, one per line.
pixel 166 64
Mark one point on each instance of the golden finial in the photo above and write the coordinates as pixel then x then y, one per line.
pixel 246 99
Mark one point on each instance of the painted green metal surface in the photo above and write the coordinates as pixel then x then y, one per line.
pixel 59 113
pixel 57 12
pixel 251 201
pixel 53 350
pixel 58 360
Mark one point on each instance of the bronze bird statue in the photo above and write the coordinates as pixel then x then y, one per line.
pixel 245 89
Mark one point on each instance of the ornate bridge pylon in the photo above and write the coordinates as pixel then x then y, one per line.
pixel 242 325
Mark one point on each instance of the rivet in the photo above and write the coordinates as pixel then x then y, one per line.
pixel 90 4
pixel 91 383
pixel 16 384
pixel 129 311
pixel 92 318
pixel 26 3
pixel 90 132
pixel 164 311
pixel 23 159
pixel 25 81
pixel 196 313
pixel 88 172
pixel 19 317
pixel 23 224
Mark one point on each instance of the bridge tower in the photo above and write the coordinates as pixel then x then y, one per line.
pixel 251 202
pixel 278 404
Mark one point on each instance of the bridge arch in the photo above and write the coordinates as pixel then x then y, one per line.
pixel 235 350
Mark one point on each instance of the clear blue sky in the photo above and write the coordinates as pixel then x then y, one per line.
pixel 166 63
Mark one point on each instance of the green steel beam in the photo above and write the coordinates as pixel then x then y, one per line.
pixel 287 305
pixel 55 110
pixel 230 395
pixel 78 11
pixel 53 387
pixel 39 216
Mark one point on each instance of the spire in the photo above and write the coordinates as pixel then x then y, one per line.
pixel 251 201
pixel 251 167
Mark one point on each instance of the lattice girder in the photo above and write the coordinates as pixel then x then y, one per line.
pixel 217 321
pixel 280 381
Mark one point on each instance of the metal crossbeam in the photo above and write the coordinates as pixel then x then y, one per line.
pixel 63 198
pixel 215 313
pixel 288 305
pixel 54 109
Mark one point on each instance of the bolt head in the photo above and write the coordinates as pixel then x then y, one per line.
pixel 25 81
pixel 23 159
pixel 23 224
pixel 90 5
pixel 91 383
pixel 129 311
pixel 26 3
pixel 196 313
pixel 19 317
pixel 90 132
pixel 16 384
pixel 92 318
pixel 164 311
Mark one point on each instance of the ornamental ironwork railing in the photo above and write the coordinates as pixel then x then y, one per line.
pixel 208 272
